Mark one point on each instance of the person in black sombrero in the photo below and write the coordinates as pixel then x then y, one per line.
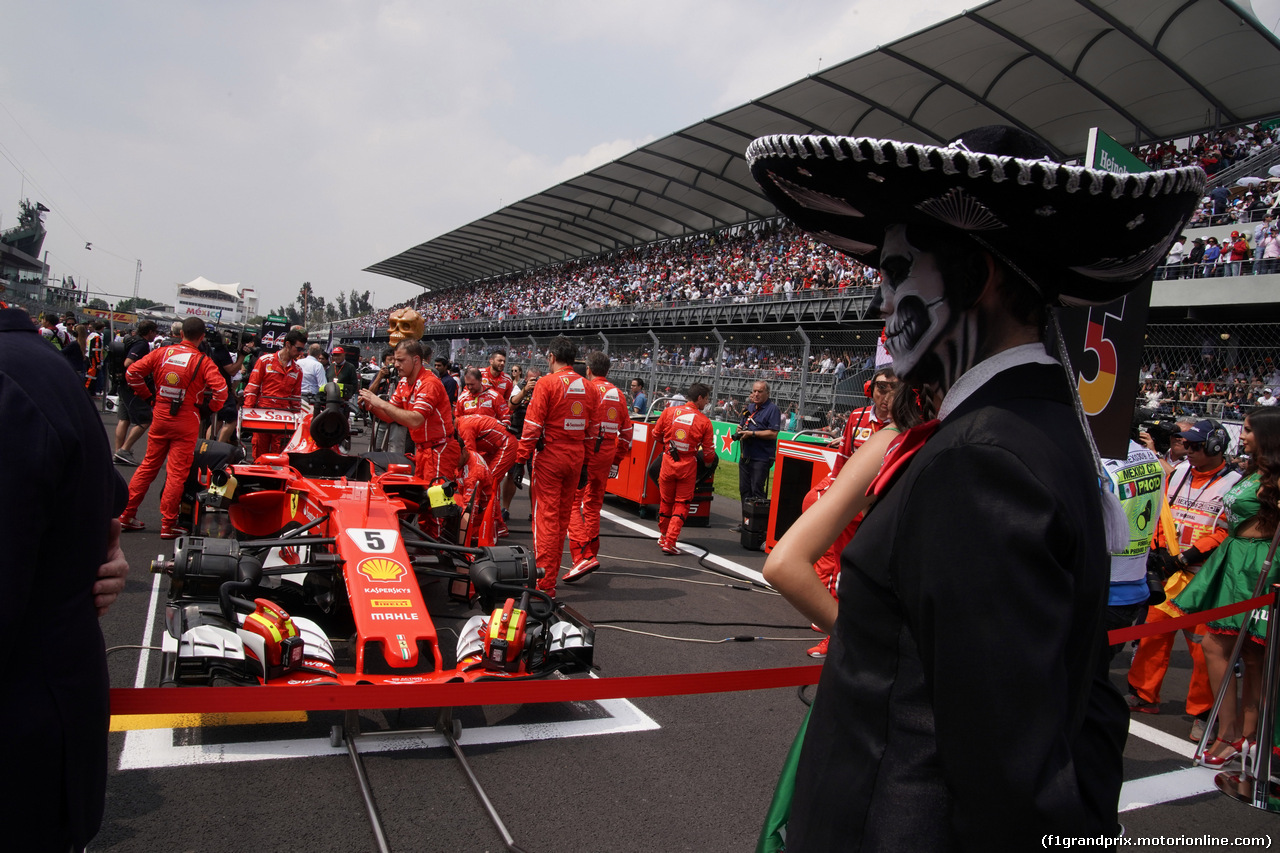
pixel 964 703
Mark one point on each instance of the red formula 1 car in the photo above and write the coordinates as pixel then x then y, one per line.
pixel 322 581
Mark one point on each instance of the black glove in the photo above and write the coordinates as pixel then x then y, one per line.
pixel 582 478
pixel 1190 557
pixel 613 472
pixel 1159 560
pixel 517 475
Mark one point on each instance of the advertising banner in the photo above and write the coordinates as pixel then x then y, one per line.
pixel 1105 346
pixel 1103 152
pixel 113 316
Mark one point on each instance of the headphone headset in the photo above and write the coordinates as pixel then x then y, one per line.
pixel 1215 443
pixel 866 387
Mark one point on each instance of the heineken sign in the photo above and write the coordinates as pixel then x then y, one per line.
pixel 1106 154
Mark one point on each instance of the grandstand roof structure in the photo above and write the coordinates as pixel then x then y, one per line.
pixel 1141 70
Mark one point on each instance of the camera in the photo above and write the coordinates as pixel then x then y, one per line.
pixel 737 436
pixel 1161 430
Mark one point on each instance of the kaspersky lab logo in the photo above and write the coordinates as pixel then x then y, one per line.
pixel 381 569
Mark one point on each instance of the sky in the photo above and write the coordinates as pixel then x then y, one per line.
pixel 276 143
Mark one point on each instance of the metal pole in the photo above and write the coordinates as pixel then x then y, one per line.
pixel 653 368
pixel 1266 711
pixel 351 730
pixel 719 357
pixel 1228 682
pixel 804 376
pixel 507 838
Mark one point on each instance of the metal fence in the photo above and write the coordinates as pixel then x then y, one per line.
pixel 1215 370
pixel 1218 370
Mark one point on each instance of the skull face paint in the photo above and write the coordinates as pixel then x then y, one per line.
pixel 405 324
pixel 931 340
pixel 912 300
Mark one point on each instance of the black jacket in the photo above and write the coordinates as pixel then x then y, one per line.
pixel 59 493
pixel 964 704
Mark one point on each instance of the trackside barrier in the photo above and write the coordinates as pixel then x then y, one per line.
pixel 209 700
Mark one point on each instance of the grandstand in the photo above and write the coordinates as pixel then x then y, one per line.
pixel 673 246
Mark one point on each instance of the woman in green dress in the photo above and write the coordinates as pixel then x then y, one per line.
pixel 1230 575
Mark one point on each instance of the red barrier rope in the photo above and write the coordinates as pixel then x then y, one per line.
pixel 208 700
pixel 1165 626
pixel 212 700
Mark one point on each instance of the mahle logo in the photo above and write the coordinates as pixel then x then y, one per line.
pixel 381 569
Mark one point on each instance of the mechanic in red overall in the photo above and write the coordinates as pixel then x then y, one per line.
pixel 475 481
pixel 861 425
pixel 276 381
pixel 561 424
pixel 493 377
pixel 487 437
pixel 682 434
pixel 421 404
pixel 475 398
pixel 611 447
pixel 181 374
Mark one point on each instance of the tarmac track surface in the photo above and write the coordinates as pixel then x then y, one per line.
pixel 679 773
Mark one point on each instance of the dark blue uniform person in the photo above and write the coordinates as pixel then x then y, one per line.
pixel 60 496
pixel 758 442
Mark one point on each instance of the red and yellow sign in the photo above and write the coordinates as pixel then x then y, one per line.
pixel 390 602
pixel 576 408
pixel 381 569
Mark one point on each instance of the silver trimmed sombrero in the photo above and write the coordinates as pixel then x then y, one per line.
pixel 1080 236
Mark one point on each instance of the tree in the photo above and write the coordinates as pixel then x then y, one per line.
pixel 138 304
pixel 98 303
pixel 331 313
pixel 342 305
pixel 291 315
pixel 361 304
pixel 305 297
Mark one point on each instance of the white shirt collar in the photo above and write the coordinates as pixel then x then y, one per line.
pixel 983 371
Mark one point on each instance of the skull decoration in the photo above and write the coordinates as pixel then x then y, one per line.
pixel 405 324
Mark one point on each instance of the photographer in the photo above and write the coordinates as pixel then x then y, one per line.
pixel 758 440
pixel 231 367
pixel 1195 491
pixel 1163 437
pixel 519 403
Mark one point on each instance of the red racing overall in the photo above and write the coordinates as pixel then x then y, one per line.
pixel 614 444
pixel 861 425
pixel 437 453
pixel 688 432
pixel 488 438
pixel 488 402
pixel 561 416
pixel 180 373
pixel 278 387
pixel 499 382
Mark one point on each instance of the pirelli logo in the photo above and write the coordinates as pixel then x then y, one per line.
pixel 390 602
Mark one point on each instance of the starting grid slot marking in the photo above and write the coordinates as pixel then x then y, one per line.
pixel 154 748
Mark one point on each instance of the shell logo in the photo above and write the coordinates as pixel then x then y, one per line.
pixel 576 408
pixel 613 413
pixel 381 569
pixel 680 434
pixel 172 378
